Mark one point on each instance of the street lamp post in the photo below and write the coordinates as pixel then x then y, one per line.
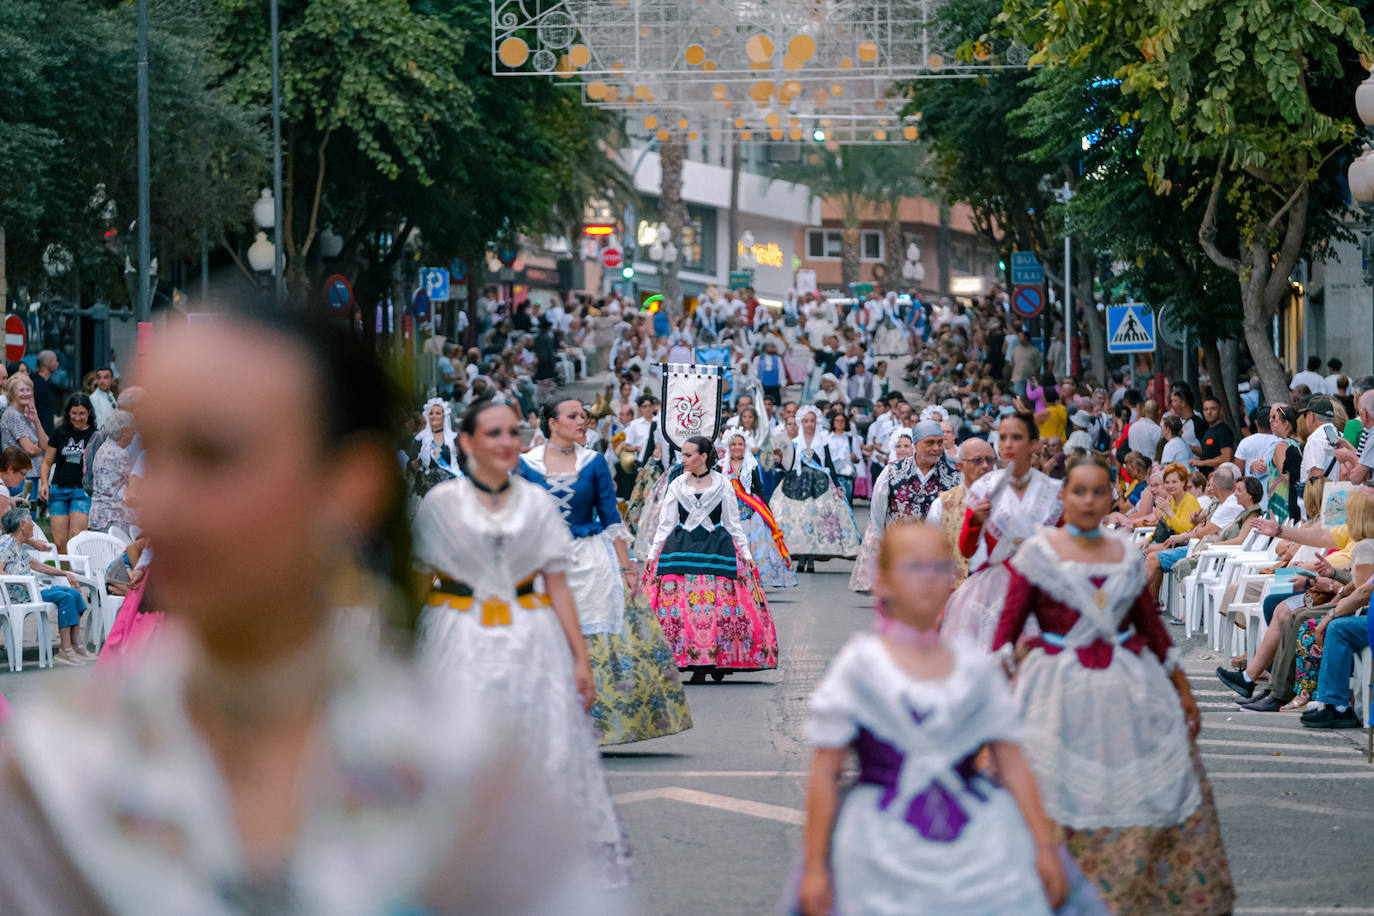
pixel 1360 177
pixel 143 305
pixel 278 260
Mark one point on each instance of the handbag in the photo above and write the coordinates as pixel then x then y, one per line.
pixel 1162 532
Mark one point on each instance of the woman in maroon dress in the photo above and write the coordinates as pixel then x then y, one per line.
pixel 1110 720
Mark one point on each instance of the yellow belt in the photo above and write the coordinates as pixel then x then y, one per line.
pixel 495 612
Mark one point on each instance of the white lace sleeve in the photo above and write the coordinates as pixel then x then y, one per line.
pixel 833 722
pixel 667 518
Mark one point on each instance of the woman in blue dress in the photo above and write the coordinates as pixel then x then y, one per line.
pixel 639 693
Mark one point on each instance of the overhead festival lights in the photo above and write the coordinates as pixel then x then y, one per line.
pixel 775 70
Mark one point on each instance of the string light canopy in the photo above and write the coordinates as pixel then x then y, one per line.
pixel 764 70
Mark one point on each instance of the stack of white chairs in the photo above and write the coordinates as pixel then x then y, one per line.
pixel 1217 568
pixel 99 550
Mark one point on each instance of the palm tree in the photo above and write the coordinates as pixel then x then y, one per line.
pixel 844 177
pixel 881 176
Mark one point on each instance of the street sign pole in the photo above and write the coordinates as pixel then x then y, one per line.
pixel 144 303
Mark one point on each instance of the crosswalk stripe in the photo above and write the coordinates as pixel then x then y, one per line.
pixel 1218 742
pixel 1279 758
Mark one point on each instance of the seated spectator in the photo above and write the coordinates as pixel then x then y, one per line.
pixel 1197 485
pixel 1150 501
pixel 1229 522
pixel 124 574
pixel 14 472
pixel 16 528
pixel 1177 513
pixel 1310 599
pixel 1345 636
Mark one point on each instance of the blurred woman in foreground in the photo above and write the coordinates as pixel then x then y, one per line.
pixel 262 754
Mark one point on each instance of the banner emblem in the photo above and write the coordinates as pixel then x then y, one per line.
pixel 691 402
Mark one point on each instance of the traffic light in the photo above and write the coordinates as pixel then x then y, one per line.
pixel 1002 266
pixel 627 272
pixel 818 135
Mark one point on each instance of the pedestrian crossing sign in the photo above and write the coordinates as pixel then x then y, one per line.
pixel 1130 328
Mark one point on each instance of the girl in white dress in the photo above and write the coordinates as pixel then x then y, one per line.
pixel 1004 508
pixel 485 542
pixel 923 831
pixel 880 514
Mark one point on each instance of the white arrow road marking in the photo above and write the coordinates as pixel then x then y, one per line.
pixel 720 802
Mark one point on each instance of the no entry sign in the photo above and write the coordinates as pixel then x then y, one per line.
pixel 610 258
pixel 16 338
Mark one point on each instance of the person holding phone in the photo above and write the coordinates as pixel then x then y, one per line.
pixel 1319 453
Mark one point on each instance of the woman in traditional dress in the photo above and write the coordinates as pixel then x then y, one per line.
pixel 1003 509
pixel 1110 720
pixel 809 505
pixel 434 451
pixel 884 509
pixel 638 692
pixel 262 753
pixel 766 542
pixel 923 830
pixel 487 541
pixel 889 337
pixel 701 577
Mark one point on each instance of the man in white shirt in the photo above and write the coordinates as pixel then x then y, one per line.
pixel 1329 383
pixel 1257 447
pixel 1319 454
pixel 1145 432
pixel 1314 382
pixel 102 399
pixel 639 431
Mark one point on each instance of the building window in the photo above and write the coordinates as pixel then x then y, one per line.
pixel 961 258
pixel 828 244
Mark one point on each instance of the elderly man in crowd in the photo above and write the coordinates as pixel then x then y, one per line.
pixel 976 458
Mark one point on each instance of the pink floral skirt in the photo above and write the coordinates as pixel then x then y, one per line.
pixel 713 622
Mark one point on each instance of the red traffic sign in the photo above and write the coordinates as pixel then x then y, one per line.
pixel 1027 301
pixel 15 338
pixel 610 258
pixel 340 292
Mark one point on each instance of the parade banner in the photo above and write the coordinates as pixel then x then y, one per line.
pixel 691 402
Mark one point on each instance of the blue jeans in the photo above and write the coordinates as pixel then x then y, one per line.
pixel 66 500
pixel 1271 604
pixel 1167 558
pixel 69 604
pixel 1344 637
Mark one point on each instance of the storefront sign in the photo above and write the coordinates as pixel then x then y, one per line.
pixel 770 255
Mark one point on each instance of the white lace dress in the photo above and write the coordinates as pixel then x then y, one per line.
pixel 922 831
pixel 976 605
pixel 523 669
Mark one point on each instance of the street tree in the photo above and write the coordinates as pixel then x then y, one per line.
pixel 1248 85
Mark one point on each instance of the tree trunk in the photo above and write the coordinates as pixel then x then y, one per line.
pixel 733 223
pixel 849 252
pixel 673 212
pixel 1086 305
pixel 944 243
pixel 1211 357
pixel 894 246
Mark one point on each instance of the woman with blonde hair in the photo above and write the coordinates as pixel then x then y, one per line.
pixel 19 423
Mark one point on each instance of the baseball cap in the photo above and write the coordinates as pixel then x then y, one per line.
pixel 1319 405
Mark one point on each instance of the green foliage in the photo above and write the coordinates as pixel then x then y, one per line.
pixel 68 150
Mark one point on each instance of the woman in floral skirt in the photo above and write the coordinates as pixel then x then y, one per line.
pixel 1110 721
pixel 809 505
pixel 701 576
pixel 638 693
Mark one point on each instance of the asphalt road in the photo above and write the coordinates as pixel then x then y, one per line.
pixel 714 813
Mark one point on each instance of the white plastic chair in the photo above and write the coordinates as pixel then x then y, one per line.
pixel 1360 684
pixel 17 611
pixel 100 550
pixel 120 535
